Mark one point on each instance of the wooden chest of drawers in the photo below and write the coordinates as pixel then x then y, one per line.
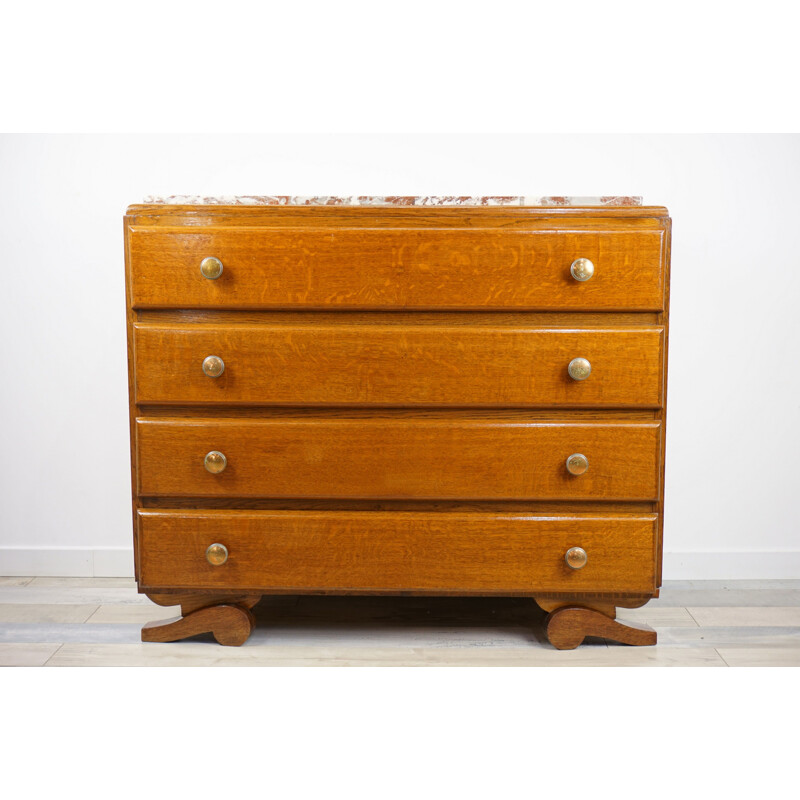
pixel 397 399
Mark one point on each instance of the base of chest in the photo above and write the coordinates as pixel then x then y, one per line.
pixel 230 619
pixel 216 564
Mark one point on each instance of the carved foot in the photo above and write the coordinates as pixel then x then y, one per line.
pixel 568 626
pixel 228 618
pixel 230 624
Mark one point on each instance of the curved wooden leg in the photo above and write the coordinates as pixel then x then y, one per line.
pixel 191 601
pixel 228 618
pixel 230 624
pixel 568 626
pixel 605 604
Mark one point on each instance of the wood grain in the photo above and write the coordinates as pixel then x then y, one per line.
pixel 190 602
pixel 397 366
pixel 567 627
pixel 397 551
pixel 555 415
pixel 524 218
pixel 394 409
pixel 130 319
pixel 352 268
pixel 662 413
pixel 429 458
pixel 231 625
pixel 605 603
pixel 575 320
pixel 350 504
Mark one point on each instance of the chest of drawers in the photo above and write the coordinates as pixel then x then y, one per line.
pixel 399 399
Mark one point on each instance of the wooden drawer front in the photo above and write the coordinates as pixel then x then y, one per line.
pixel 397 458
pixel 336 550
pixel 373 268
pixel 397 365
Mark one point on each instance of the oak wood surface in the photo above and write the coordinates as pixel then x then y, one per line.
pixel 357 504
pixel 567 627
pixel 427 458
pixel 190 602
pixel 394 362
pixel 130 319
pixel 604 602
pixel 397 366
pixel 575 320
pixel 554 415
pixel 340 267
pixel 526 218
pixel 397 551
pixel 231 625
pixel 662 413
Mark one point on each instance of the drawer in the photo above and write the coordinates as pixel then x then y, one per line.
pixel 435 458
pixel 371 268
pixel 397 365
pixel 352 551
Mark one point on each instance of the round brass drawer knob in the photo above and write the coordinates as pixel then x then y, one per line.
pixel 577 464
pixel 579 369
pixel 582 269
pixel 211 268
pixel 216 554
pixel 213 366
pixel 576 558
pixel 215 462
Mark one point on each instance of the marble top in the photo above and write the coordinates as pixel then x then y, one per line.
pixel 407 200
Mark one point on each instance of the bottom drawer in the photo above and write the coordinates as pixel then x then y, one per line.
pixel 394 552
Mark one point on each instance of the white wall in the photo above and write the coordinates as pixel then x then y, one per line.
pixel 734 377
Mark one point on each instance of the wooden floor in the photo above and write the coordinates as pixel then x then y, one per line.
pixel 96 622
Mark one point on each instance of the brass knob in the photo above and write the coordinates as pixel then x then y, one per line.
pixel 215 462
pixel 211 268
pixel 579 369
pixel 213 366
pixel 577 464
pixel 575 557
pixel 582 269
pixel 217 554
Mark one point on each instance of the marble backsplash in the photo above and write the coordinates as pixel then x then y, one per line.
pixel 407 200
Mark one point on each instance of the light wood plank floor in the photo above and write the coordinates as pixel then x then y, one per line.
pixel 97 622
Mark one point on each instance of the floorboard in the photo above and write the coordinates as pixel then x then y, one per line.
pixel 97 622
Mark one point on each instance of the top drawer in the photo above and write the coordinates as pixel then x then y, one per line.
pixel 373 268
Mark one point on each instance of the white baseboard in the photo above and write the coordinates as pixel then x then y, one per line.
pixel 731 565
pixel 117 562
pixel 70 562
